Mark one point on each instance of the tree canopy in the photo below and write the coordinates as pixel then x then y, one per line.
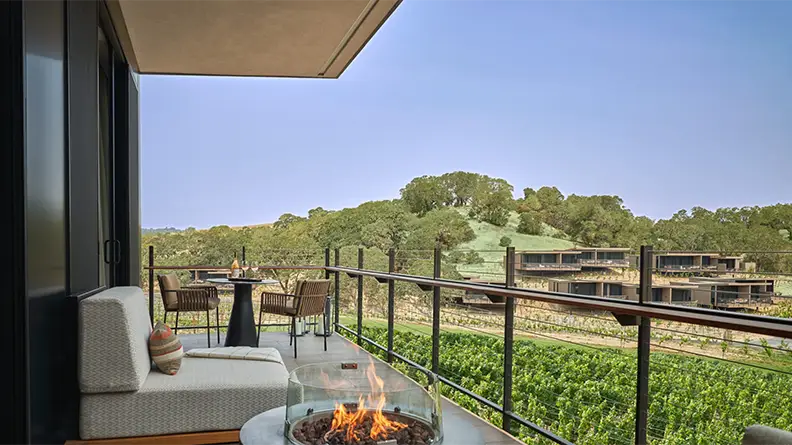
pixel 425 217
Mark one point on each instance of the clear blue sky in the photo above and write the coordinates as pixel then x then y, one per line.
pixel 667 104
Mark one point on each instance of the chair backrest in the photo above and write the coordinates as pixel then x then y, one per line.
pixel 113 334
pixel 313 293
pixel 168 285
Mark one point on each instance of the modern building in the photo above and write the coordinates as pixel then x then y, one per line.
pixel 204 274
pixel 672 293
pixel 548 262
pixel 686 262
pixel 675 293
pixel 71 157
pixel 593 287
pixel 725 292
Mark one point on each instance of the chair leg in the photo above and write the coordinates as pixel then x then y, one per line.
pixel 176 328
pixel 217 319
pixel 165 318
pixel 208 332
pixel 258 336
pixel 294 330
pixel 324 324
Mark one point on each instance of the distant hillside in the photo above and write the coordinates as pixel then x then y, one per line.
pixel 147 231
pixel 488 237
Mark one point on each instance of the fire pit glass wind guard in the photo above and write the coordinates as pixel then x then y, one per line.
pixel 362 403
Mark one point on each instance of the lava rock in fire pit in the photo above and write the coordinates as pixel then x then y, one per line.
pixel 318 432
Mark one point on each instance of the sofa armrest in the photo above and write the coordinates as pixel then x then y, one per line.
pixel 765 435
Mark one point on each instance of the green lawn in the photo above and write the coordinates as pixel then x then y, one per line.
pixel 486 244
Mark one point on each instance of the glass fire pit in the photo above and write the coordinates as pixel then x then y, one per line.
pixel 357 403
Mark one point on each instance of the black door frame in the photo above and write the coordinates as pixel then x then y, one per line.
pixel 14 413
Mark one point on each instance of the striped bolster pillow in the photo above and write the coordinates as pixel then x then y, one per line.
pixel 165 349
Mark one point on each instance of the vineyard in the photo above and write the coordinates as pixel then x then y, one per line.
pixel 588 396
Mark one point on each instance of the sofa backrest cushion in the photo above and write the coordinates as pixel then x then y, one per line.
pixel 113 329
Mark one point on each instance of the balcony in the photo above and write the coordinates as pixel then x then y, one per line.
pixel 549 267
pixel 605 263
pixel 341 349
pixel 552 367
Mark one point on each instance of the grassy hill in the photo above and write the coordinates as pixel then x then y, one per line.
pixel 486 244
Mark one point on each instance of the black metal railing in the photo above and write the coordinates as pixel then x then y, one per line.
pixel 628 313
pixel 636 314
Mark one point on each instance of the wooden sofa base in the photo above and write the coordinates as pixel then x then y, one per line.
pixel 209 437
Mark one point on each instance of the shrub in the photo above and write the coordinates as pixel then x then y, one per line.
pixel 529 224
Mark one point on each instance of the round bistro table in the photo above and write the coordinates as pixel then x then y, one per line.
pixel 267 429
pixel 241 327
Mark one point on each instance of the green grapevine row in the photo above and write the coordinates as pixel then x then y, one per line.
pixel 588 396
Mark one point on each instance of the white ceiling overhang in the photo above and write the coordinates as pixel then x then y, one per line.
pixel 269 38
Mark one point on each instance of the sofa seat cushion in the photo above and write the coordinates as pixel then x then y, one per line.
pixel 206 395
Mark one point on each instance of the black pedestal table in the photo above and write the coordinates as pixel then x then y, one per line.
pixel 241 327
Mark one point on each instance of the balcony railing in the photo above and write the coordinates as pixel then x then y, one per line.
pixel 548 266
pixel 688 267
pixel 636 316
pixel 605 263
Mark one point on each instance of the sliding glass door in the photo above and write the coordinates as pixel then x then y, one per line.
pixel 106 236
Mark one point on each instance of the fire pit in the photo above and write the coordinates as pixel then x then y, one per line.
pixel 356 403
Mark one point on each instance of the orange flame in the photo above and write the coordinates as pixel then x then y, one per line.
pixel 350 422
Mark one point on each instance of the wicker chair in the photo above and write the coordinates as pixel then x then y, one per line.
pixel 307 300
pixel 195 298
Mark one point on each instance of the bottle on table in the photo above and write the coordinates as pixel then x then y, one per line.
pixel 235 268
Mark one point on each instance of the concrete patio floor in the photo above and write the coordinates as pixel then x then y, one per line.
pixel 310 350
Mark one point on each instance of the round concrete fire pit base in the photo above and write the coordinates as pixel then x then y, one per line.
pixel 267 429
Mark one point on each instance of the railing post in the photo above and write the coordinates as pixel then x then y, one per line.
pixel 360 299
pixel 436 315
pixel 151 284
pixel 327 263
pixel 337 290
pixel 642 389
pixel 508 343
pixel 244 274
pixel 391 302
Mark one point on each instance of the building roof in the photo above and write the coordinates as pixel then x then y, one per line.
pixel 710 254
pixel 602 249
pixel 552 252
pixel 727 280
pixel 267 38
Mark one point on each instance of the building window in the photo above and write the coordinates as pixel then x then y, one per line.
pixel 539 258
pixel 583 288
pixel 674 261
pixel 569 258
pixel 657 294
pixel 680 295
pixel 610 255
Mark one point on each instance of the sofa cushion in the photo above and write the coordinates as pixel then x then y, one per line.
pixel 165 349
pixel 206 395
pixel 113 333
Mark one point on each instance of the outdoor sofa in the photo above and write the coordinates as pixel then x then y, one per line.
pixel 124 396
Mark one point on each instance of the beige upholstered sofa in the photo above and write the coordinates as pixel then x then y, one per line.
pixel 123 396
pixel 765 435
